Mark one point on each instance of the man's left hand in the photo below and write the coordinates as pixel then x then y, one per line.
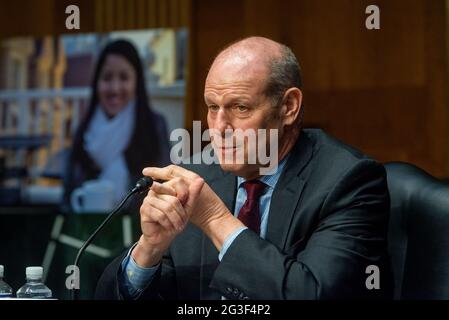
pixel 209 213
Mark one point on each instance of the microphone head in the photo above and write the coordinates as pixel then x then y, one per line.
pixel 143 184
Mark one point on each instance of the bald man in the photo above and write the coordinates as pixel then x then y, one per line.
pixel 309 229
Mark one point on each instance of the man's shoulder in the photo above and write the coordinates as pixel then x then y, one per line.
pixel 332 157
pixel 325 142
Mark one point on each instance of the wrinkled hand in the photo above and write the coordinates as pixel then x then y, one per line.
pixel 162 218
pixel 206 210
pixel 207 205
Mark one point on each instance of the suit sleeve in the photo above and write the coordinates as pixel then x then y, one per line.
pixel 349 236
pixel 109 286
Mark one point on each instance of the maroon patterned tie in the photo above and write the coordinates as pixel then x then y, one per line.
pixel 249 214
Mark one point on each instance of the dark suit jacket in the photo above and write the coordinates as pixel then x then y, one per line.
pixel 327 223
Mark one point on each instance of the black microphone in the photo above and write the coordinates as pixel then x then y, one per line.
pixel 142 185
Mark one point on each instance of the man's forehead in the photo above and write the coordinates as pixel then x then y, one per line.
pixel 236 68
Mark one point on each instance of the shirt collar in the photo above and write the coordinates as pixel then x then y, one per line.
pixel 269 180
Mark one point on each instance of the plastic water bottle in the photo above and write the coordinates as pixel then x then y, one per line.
pixel 5 289
pixel 34 288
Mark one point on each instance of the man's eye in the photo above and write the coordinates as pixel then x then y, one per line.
pixel 213 108
pixel 241 108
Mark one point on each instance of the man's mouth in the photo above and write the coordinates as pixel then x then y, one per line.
pixel 228 149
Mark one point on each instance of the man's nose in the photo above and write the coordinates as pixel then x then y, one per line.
pixel 222 121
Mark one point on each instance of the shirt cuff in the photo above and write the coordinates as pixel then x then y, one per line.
pixel 229 240
pixel 134 277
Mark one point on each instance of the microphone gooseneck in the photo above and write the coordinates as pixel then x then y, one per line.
pixel 142 185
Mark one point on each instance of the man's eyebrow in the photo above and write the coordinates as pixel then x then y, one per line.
pixel 207 98
pixel 209 93
pixel 228 99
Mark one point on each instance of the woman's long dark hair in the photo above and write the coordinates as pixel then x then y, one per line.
pixel 144 148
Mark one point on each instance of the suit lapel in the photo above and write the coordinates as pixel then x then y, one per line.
pixel 288 192
pixel 224 185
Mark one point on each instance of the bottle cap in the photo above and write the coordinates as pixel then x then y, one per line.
pixel 34 272
pixel 2 269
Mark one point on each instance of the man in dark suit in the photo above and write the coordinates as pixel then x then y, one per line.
pixel 310 229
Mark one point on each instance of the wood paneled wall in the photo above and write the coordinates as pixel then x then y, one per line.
pixel 43 17
pixel 383 91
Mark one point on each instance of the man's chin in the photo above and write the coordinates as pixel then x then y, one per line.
pixel 241 170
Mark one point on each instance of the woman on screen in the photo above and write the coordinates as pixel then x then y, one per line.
pixel 120 134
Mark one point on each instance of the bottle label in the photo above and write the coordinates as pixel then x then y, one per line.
pixel 5 295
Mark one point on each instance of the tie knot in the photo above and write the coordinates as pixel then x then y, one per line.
pixel 254 189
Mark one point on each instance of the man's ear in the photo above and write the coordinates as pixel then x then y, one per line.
pixel 291 105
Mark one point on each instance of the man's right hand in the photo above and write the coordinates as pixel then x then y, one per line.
pixel 162 218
